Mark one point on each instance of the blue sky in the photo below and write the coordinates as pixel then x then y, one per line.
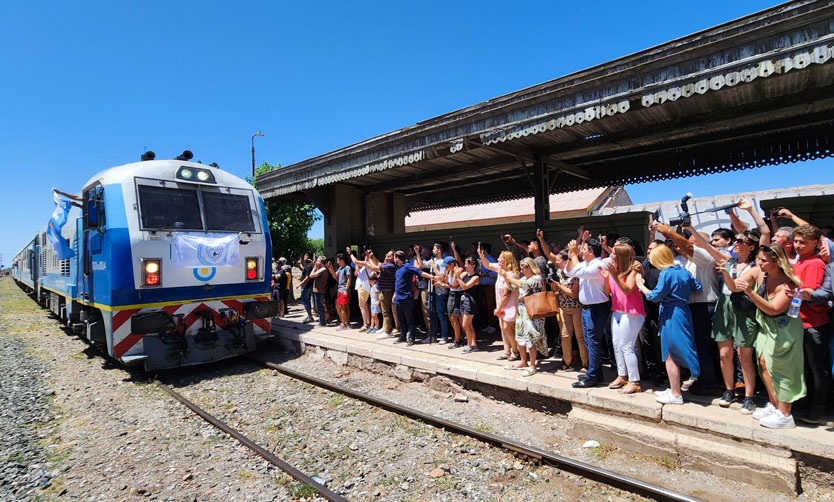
pixel 88 85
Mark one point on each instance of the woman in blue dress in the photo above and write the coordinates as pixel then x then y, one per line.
pixel 677 340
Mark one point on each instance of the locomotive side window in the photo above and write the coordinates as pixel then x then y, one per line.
pixel 227 212
pixel 169 208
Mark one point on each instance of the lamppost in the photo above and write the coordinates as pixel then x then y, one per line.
pixel 259 133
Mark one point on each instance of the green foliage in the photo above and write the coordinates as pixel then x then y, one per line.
pixel 289 223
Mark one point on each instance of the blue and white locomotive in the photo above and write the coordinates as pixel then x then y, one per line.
pixel 161 263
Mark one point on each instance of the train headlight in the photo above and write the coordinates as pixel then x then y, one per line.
pixel 195 174
pixel 151 272
pixel 251 268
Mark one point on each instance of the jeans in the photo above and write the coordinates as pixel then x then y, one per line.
pixel 306 297
pixel 319 299
pixel 593 328
pixel 817 365
pixel 405 316
pixel 441 316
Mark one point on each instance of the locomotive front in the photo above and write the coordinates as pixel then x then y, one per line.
pixel 178 264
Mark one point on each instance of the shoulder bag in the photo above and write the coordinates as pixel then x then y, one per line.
pixel 540 305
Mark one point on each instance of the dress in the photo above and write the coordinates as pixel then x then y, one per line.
pixel 779 341
pixel 674 284
pixel 528 332
pixel 511 307
pixel 730 322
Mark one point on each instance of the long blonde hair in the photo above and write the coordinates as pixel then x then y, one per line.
pixel 509 262
pixel 531 263
pixel 777 252
pixel 624 254
pixel 662 257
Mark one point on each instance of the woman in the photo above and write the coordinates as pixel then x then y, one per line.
pixel 627 315
pixel 779 337
pixel 570 314
pixel 453 304
pixel 677 339
pixel 527 331
pixel 363 289
pixel 730 322
pixel 469 283
pixel 506 301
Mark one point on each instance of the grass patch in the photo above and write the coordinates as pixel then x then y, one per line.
pixel 302 490
pixel 484 428
pixel 668 463
pixel 602 451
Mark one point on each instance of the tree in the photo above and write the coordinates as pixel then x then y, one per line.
pixel 289 222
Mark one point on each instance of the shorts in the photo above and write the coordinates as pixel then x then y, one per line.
pixel 467 305
pixel 375 308
pixel 342 298
pixel 363 295
pixel 453 304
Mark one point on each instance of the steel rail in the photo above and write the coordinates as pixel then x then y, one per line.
pixel 598 474
pixel 270 457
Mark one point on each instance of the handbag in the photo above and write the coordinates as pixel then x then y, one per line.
pixel 741 302
pixel 541 305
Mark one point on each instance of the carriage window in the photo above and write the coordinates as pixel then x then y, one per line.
pixel 227 212
pixel 169 208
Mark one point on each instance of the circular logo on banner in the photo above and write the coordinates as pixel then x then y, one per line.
pixel 210 255
pixel 205 273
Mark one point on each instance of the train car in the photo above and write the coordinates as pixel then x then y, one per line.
pixel 161 263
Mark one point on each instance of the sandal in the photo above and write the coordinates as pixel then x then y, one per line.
pixel 528 372
pixel 631 388
pixel 503 356
pixel 618 383
pixel 514 367
pixel 513 357
pixel 566 367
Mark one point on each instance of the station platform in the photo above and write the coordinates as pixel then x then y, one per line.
pixel 698 434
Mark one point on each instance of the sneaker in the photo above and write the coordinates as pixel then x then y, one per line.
pixel 409 341
pixel 748 406
pixel 468 349
pixel 455 345
pixel 669 399
pixel 777 421
pixel 764 412
pixel 442 341
pixel 726 399
pixel 371 330
pixel 381 336
pixel 659 393
pixel 341 327
pixel 399 340
pixel 309 319
pixel 363 329
pixel 687 384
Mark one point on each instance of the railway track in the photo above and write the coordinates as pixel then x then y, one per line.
pixel 530 453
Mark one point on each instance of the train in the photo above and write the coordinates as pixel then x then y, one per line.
pixel 160 263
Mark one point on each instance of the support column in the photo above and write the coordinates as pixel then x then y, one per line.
pixel 541 192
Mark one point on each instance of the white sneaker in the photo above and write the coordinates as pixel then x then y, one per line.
pixel 777 421
pixel 764 412
pixel 659 393
pixel 669 399
pixel 381 336
pixel 686 384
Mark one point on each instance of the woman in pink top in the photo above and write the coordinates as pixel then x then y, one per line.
pixel 627 315
pixel 506 300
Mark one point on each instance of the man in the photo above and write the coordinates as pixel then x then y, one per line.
pixel 488 287
pixel 440 317
pixel 810 269
pixel 404 294
pixel 595 305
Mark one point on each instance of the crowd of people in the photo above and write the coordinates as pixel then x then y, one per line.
pixel 737 314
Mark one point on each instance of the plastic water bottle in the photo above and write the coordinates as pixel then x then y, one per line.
pixel 796 303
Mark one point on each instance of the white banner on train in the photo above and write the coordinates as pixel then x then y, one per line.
pixel 195 251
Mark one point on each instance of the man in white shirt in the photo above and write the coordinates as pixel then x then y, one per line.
pixel 585 263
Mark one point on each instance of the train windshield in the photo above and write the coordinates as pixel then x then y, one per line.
pixel 177 208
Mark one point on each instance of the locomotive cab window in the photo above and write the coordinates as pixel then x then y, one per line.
pixel 186 207
pixel 169 208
